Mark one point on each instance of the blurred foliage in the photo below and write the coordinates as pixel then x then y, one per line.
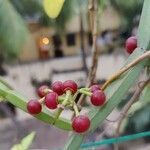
pixel 34 9
pixel 128 11
pixel 140 119
pixel 125 100
pixel 25 142
pixel 30 8
pixel 53 8
pixel 69 9
pixel 13 30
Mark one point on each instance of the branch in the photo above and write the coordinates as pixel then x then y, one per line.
pixel 124 69
pixel 125 110
pixel 93 10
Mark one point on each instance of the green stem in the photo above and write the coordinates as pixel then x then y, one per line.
pixel 64 103
pixel 85 89
pixel 75 96
pixel 82 91
pixel 61 99
pixel 76 109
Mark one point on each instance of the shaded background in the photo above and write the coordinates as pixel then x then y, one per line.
pixel 36 50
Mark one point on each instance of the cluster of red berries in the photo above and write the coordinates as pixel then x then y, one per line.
pixel 55 96
pixel 131 44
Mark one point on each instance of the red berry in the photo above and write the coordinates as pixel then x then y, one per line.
pixel 94 87
pixel 34 107
pixel 80 124
pixel 70 85
pixel 58 87
pixel 41 90
pixel 131 44
pixel 51 100
pixel 98 98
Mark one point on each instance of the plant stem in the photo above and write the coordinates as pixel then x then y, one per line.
pixel 93 11
pixel 125 110
pixel 124 69
pixel 41 100
pixel 75 109
pixel 85 92
pixel 64 103
pixel 47 91
pixel 61 99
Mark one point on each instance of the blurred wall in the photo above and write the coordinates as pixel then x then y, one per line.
pixel 109 20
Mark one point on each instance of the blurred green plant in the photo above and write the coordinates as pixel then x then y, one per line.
pixel 13 30
pixel 13 26
pixel 25 142
pixel 128 11
pixel 140 111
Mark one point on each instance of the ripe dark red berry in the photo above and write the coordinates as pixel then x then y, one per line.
pixel 131 44
pixel 98 98
pixel 70 85
pixel 41 90
pixel 80 123
pixel 51 100
pixel 58 87
pixel 34 107
pixel 94 87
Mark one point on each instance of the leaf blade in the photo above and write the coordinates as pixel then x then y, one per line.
pixel 20 101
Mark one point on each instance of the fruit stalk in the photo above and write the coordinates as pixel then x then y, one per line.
pixel 64 103
pixel 124 69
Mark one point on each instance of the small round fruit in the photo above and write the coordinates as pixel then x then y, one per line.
pixel 41 90
pixel 131 44
pixel 58 87
pixel 70 85
pixel 80 123
pixel 94 87
pixel 34 107
pixel 51 100
pixel 98 98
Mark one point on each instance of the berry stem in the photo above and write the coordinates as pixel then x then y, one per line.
pixel 86 89
pixel 47 91
pixel 82 91
pixel 124 69
pixel 61 99
pixel 41 100
pixel 75 109
pixel 64 103
pixel 75 96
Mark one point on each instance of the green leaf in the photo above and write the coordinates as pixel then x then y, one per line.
pixel 20 101
pixel 119 88
pixel 53 8
pixel 13 30
pixel 17 147
pixel 144 31
pixel 30 8
pixel 27 141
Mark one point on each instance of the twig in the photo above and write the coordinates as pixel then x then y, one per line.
pixel 125 110
pixel 124 69
pixel 93 10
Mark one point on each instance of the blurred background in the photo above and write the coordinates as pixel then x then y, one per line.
pixel 37 50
